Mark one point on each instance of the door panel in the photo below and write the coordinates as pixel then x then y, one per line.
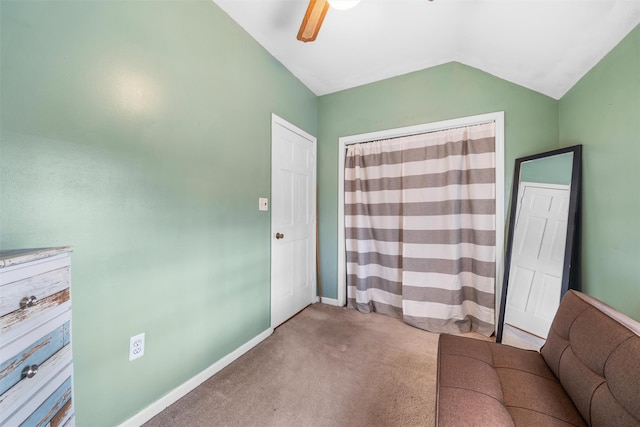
pixel 292 221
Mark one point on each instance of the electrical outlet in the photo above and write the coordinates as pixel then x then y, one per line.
pixel 136 346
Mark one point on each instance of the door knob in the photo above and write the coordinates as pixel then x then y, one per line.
pixel 279 236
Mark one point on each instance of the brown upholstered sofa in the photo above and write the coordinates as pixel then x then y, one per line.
pixel 587 373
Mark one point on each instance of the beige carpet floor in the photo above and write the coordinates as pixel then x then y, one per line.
pixel 327 366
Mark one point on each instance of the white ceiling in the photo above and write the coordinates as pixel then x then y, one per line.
pixel 544 45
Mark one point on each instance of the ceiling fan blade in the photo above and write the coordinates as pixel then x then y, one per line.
pixel 312 21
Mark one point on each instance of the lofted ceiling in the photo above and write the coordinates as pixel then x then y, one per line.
pixel 544 45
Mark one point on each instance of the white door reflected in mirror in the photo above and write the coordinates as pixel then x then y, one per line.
pixel 537 257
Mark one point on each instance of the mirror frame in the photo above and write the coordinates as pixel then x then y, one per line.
pixel 571 256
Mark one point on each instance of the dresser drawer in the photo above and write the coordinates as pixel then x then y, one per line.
pixel 45 405
pixel 32 290
pixel 47 346
pixel 39 279
pixel 41 348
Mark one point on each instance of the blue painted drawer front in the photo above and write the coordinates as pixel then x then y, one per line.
pixel 54 403
pixel 36 354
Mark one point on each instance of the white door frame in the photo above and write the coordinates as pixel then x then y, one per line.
pixel 344 141
pixel 276 120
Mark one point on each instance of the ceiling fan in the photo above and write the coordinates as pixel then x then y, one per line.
pixel 314 16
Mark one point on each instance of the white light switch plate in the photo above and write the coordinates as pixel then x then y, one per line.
pixel 263 204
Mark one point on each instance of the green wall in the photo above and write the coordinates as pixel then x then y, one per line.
pixel 139 133
pixel 445 92
pixel 602 112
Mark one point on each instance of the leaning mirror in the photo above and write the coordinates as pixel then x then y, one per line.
pixel 542 236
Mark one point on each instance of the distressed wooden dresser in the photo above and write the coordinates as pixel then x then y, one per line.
pixel 36 369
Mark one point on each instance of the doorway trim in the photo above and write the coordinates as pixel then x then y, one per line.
pixel 344 141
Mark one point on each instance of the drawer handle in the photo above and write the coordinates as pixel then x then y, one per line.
pixel 27 301
pixel 30 371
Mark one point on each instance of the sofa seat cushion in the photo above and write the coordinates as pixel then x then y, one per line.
pixel 492 384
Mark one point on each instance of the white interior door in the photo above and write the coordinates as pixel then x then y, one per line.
pixel 293 185
pixel 537 257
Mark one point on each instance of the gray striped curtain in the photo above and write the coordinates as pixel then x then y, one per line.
pixel 420 228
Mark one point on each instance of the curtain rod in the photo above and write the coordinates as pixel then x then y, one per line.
pixel 418 132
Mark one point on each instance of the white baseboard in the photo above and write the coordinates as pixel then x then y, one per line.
pixel 329 301
pixel 174 395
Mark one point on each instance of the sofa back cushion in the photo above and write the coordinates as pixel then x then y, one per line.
pixel 595 353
